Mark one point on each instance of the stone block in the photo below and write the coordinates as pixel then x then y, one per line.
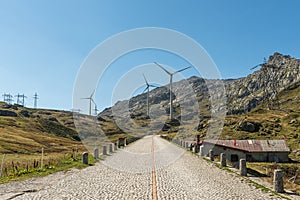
pixel 243 168
pixel 278 181
pixel 110 148
pixel 223 159
pixel 96 153
pixel 211 155
pixel 85 158
pixel 104 151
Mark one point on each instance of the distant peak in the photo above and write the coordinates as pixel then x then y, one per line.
pixel 277 57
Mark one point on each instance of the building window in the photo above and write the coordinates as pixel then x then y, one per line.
pixel 234 158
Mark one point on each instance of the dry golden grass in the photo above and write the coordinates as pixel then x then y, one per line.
pixel 291 172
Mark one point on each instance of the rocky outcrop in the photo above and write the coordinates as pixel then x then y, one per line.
pixel 52 119
pixel 249 127
pixel 274 76
pixel 8 113
pixel 25 113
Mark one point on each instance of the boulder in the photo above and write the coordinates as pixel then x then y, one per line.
pixel 15 106
pixel 249 127
pixel 53 119
pixel 101 119
pixel 173 122
pixel 165 127
pixel 6 105
pixel 25 113
pixel 8 113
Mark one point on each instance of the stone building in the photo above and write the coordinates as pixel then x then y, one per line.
pixel 251 150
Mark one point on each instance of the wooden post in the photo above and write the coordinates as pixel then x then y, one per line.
pixel 115 146
pixel 42 159
pixel 2 164
pixel 278 181
pixel 76 151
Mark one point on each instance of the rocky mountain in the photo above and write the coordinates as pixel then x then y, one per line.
pixel 263 105
pixel 242 94
pixel 275 76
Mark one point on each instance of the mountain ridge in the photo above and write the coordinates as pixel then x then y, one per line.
pixel 243 94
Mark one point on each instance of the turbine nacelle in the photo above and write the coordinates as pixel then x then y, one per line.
pixel 171 80
pixel 91 101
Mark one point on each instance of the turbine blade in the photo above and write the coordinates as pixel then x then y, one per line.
pixel 93 101
pixel 152 86
pixel 145 89
pixel 145 80
pixel 163 68
pixel 255 66
pixel 92 94
pixel 85 98
pixel 182 69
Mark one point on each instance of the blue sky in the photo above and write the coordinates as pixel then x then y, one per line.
pixel 44 43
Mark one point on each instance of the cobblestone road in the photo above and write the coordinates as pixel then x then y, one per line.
pixel 127 174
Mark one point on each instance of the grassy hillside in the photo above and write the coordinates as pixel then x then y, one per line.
pixel 32 129
pixel 27 131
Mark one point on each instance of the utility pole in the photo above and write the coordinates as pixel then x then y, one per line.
pixel 5 97
pixel 8 98
pixel 35 97
pixel 18 99
pixel 21 99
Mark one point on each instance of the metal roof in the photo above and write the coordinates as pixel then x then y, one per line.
pixel 253 145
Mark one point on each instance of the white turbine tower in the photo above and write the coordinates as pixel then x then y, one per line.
pixel 147 89
pixel 91 101
pixel 96 109
pixel 171 81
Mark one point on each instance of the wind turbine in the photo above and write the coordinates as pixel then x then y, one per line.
pixel 171 81
pixel 147 89
pixel 96 109
pixel 91 101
